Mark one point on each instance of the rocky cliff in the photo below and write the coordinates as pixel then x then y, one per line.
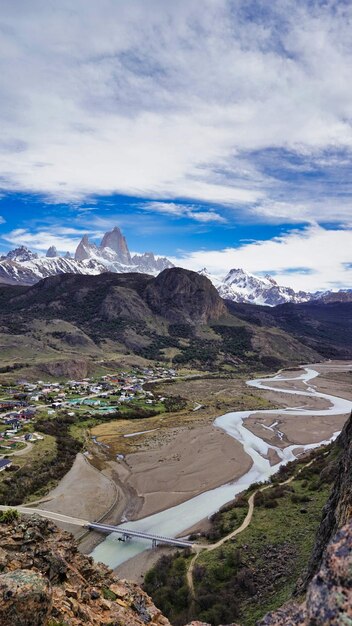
pixel 329 595
pixel 338 509
pixel 46 581
pixel 117 242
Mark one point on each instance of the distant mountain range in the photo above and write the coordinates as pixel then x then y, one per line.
pixel 24 267
pixel 243 287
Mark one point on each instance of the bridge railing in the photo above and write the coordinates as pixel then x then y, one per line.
pixel 140 534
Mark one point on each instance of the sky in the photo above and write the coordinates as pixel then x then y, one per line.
pixel 215 132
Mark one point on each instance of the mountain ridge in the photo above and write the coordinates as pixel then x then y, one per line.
pixel 23 267
pixel 177 317
pixel 241 286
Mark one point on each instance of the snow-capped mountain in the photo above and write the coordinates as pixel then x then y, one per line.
pixel 24 267
pixel 114 254
pixel 241 286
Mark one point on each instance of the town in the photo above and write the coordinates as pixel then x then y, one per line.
pixel 23 403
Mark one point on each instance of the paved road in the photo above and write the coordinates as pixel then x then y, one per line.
pixel 56 517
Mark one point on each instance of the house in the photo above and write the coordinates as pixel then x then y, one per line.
pixel 4 463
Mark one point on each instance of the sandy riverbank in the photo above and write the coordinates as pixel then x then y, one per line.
pixel 188 462
pixel 84 492
pixel 335 379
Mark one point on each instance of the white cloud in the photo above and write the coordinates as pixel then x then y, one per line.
pixel 168 100
pixel 183 210
pixel 324 256
pixel 2 220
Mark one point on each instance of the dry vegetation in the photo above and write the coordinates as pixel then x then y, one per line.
pixel 216 395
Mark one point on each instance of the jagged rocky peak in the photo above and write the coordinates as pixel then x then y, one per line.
pixel 115 241
pixel 241 286
pixel 52 252
pixel 68 255
pixel 21 255
pixel 239 277
pixel 148 263
pixel 85 249
pixel 113 252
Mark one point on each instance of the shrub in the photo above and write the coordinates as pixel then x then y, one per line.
pixel 9 516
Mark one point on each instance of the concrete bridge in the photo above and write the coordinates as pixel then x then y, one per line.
pixel 125 533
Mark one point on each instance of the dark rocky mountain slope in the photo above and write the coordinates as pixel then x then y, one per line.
pixel 326 328
pixel 175 317
pixel 179 296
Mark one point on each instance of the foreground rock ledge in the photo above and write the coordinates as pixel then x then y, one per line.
pixel 45 580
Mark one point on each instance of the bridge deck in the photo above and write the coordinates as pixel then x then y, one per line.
pixel 106 528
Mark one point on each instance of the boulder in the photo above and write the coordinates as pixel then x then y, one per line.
pixel 25 598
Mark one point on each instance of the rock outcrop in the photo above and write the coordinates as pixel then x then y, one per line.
pixel 45 580
pixel 329 596
pixel 25 598
pixel 182 295
pixel 338 509
pixel 21 255
pixel 52 252
pixel 85 250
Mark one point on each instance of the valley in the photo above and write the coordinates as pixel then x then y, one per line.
pixel 203 464
pixel 151 403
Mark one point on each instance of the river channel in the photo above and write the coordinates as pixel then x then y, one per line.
pixel 176 520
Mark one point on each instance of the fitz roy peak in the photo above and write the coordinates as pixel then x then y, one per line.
pixel 114 255
pixel 24 267
pixel 116 242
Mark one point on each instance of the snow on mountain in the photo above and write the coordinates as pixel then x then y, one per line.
pixel 20 255
pixel 24 267
pixel 21 266
pixel 343 295
pixel 114 254
pixel 241 286
pixel 28 272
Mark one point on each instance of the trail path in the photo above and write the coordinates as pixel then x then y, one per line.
pixel 246 522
